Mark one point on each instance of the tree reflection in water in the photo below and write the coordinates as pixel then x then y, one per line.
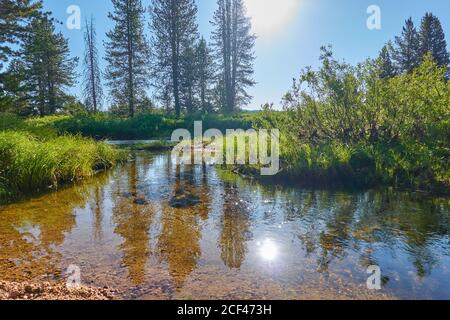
pixel 179 239
pixel 32 229
pixel 235 228
pixel 154 223
pixel 133 215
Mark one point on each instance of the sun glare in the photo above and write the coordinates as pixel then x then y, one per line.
pixel 268 250
pixel 270 17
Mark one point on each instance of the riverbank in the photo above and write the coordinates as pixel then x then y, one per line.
pixel 34 158
pixel 144 126
pixel 48 291
pixel 349 168
pixel 345 125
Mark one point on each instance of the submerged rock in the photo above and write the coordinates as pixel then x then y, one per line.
pixel 184 200
pixel 129 194
pixel 140 201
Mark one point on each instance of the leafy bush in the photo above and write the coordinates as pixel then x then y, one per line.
pixel 144 126
pixel 347 125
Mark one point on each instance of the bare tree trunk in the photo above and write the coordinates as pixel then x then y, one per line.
pixel 92 67
pixel 234 59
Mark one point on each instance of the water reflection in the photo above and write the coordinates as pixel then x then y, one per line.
pixel 132 216
pixel 268 250
pixel 235 228
pixel 31 230
pixel 154 228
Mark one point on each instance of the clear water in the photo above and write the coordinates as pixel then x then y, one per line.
pixel 155 230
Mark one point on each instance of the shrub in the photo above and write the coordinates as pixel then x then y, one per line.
pixel 347 125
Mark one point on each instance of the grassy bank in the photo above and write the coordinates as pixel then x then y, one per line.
pixel 145 126
pixel 33 158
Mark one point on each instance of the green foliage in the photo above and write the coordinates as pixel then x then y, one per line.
pixel 175 66
pixel 407 51
pixel 34 158
pixel 205 75
pixel 127 55
pixel 13 14
pixel 38 127
pixel 29 165
pixel 233 45
pixel 347 125
pixel 48 68
pixel 432 40
pixel 145 126
pixel 413 45
pixel 388 68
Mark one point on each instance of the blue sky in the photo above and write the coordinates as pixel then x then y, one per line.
pixel 290 33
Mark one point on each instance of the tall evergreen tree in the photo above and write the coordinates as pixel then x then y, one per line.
pixel 48 67
pixel 127 54
pixel 234 52
pixel 388 69
pixel 174 28
pixel 407 51
pixel 93 92
pixel 189 79
pixel 432 40
pixel 205 66
pixel 13 95
pixel 15 16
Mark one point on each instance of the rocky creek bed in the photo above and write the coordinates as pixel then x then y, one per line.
pixel 51 291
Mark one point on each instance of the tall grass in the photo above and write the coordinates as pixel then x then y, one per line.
pixel 29 163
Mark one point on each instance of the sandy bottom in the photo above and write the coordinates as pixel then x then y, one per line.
pixel 59 291
pixel 50 291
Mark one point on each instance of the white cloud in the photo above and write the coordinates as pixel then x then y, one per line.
pixel 271 17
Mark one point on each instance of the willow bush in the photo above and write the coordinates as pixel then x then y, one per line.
pixel 349 125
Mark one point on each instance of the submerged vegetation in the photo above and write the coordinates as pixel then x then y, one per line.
pixel 33 158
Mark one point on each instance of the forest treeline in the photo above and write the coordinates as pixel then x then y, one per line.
pixel 186 72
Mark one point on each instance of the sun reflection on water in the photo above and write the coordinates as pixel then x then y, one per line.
pixel 268 250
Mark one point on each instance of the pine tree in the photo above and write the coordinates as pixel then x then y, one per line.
pixel 15 16
pixel 388 69
pixel 205 75
pixel 432 40
pixel 174 28
pixel 407 51
pixel 127 55
pixel 234 44
pixel 189 79
pixel 49 69
pixel 93 92
pixel 12 90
